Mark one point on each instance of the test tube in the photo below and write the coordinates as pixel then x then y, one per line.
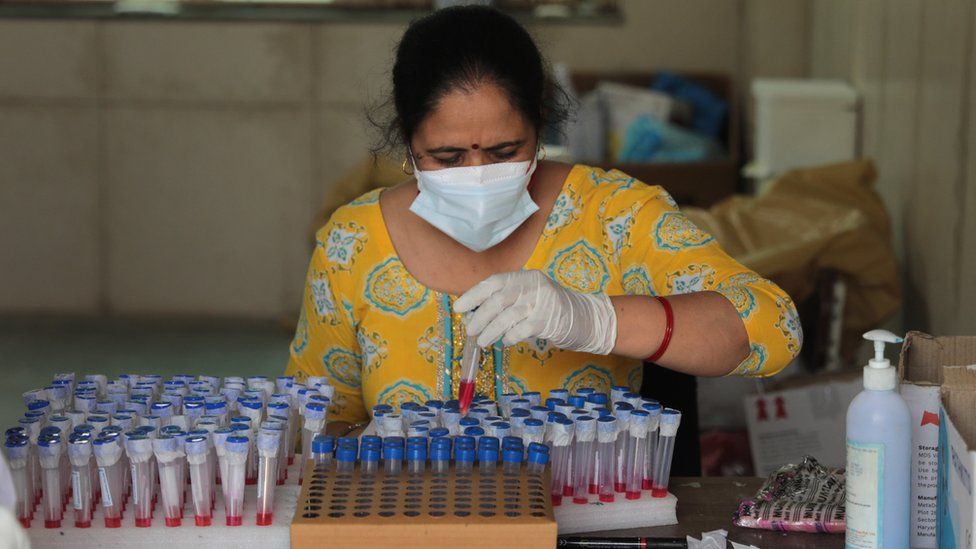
pixel 440 456
pixel 470 363
pixel 392 456
pixel 533 430
pixel 653 410
pixel 463 455
pixel 168 458
pixel 315 419
pixel 670 419
pixel 235 455
pixel 487 455
pixel 139 449
pixel 499 429
pixel 268 444
pixel 49 450
pixel 16 451
pixel 617 393
pixel 283 408
pixel 511 461
pixel 583 455
pixel 636 446
pixel 108 453
pixel 606 466
pixel 622 413
pixel 197 457
pixel 322 448
pixel 80 454
pixel 538 457
pixel 32 427
pixel 346 452
pixel 560 434
pixel 416 455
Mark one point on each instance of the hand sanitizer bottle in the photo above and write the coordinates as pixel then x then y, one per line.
pixel 879 435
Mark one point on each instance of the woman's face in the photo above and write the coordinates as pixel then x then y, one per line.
pixel 472 128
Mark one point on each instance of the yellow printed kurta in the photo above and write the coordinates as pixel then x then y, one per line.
pixel 380 336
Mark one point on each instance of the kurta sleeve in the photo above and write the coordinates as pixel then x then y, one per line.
pixel 325 341
pixel 661 252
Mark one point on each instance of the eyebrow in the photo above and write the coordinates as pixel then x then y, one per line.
pixel 499 146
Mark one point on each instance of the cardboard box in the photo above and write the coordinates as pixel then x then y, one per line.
pixel 802 416
pixel 956 513
pixel 920 369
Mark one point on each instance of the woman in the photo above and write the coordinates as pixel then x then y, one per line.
pixel 556 268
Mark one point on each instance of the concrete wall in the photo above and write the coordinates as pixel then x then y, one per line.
pixel 172 168
pixel 913 63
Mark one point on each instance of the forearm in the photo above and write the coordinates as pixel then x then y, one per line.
pixel 708 339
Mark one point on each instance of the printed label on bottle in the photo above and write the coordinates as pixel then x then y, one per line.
pixel 135 483
pixel 76 489
pixel 865 495
pixel 106 493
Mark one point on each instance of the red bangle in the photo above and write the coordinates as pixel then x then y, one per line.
pixel 668 329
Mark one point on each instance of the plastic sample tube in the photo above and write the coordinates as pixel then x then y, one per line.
pixel 279 424
pixel 16 451
pixel 268 445
pixel 538 457
pixel 416 455
pixel 584 452
pixel 511 461
pixel 346 456
pixel 283 408
pixel 606 466
pixel 670 419
pixel 392 456
pixel 440 456
pixel 139 449
pixel 235 455
pixel 470 362
pixel 369 459
pixel 32 427
pixel 653 410
pixel 108 456
pixel 168 457
pixel 560 434
pixel 499 429
pixel 80 454
pixel 197 458
pixel 315 421
pixel 636 446
pixel 620 448
pixel 322 448
pixel 464 456
pixel 49 451
pixel 487 455
pixel 533 430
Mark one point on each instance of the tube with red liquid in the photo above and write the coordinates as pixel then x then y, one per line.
pixel 16 450
pixel 560 435
pixel 108 457
pixel 235 455
pixel 670 419
pixel 606 466
pixel 622 412
pixel 198 459
pixel 139 448
pixel 169 455
pixel 470 361
pixel 583 455
pixel 635 448
pixel 654 415
pixel 80 454
pixel 269 441
pixel 316 415
pixel 49 451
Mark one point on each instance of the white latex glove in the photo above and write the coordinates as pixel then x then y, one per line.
pixel 523 305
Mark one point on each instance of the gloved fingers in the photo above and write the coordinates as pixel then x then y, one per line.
pixel 503 322
pixel 480 292
pixel 490 309
pixel 526 329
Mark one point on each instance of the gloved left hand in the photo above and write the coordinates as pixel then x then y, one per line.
pixel 522 305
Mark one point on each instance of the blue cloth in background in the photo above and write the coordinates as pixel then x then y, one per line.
pixel 651 140
pixel 708 110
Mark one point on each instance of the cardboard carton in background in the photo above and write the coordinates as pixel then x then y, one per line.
pixel 957 457
pixel 920 369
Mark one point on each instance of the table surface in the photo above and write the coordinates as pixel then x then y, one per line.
pixel 707 503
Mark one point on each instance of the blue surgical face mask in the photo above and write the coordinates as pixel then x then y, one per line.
pixel 479 206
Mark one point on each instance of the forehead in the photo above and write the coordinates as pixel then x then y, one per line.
pixel 482 115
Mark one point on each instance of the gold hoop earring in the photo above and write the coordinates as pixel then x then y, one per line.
pixel 404 167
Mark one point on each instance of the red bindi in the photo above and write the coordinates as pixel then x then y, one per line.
pixel 475 146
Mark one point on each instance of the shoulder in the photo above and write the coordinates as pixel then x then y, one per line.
pixel 606 193
pixel 345 244
pixel 359 215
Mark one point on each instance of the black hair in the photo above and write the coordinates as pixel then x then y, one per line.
pixel 460 48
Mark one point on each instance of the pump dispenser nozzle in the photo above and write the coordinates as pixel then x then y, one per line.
pixel 879 375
